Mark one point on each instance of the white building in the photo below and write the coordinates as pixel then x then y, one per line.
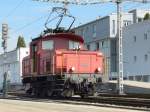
pixel 139 14
pixel 12 62
pixel 136 51
pixel 100 34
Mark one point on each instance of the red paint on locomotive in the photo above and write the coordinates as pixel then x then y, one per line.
pixel 63 55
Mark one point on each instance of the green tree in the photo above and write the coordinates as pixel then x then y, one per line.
pixel 147 16
pixel 21 42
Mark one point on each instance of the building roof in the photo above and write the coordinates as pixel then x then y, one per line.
pixel 138 10
pixel 135 25
pixel 91 22
pixel 9 52
pixel 101 18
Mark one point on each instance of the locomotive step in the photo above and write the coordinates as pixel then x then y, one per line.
pixel 60 76
pixel 60 79
pixel 60 82
pixel 58 90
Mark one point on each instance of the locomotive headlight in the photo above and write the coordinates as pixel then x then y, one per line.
pixel 99 69
pixel 73 68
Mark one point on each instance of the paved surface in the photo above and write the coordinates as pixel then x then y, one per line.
pixel 30 106
pixel 134 87
pixel 135 84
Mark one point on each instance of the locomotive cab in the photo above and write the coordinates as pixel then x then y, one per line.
pixel 57 41
pixel 49 43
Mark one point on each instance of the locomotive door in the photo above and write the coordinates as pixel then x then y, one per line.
pixel 34 58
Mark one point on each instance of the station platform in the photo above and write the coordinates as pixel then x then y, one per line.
pixel 134 87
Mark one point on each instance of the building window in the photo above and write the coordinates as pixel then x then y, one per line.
pixel 129 23
pixel 83 31
pixel 146 57
pixel 134 38
pixel 88 47
pixel 145 36
pixel 102 44
pixel 135 58
pixel 97 45
pixel 140 19
pixel 126 22
pixel 94 30
pixel 113 29
pixel 87 29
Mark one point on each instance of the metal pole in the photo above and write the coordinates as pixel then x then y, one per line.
pixel 5 85
pixel 120 52
pixel 5 80
pixel 4 44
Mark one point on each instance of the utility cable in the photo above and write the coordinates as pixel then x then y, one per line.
pixel 13 10
pixel 29 24
pixel 129 8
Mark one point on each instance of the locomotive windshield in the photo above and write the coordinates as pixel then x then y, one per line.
pixel 73 44
pixel 48 45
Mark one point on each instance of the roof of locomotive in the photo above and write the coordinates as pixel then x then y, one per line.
pixel 69 36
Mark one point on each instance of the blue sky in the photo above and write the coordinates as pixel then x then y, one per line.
pixel 27 17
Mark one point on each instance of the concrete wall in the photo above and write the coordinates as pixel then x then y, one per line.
pixel 136 49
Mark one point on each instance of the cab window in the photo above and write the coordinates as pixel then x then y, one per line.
pixel 73 44
pixel 48 45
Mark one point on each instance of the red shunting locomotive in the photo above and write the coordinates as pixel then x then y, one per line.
pixel 58 64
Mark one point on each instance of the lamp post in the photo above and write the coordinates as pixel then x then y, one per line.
pixel 4 45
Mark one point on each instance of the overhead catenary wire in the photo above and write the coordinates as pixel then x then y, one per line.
pixel 132 7
pixel 13 10
pixel 29 24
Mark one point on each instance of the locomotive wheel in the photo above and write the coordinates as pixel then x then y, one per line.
pixel 83 95
pixel 36 92
pixel 43 92
pixel 29 91
pixel 49 93
pixel 68 93
pixel 91 92
pixel 71 93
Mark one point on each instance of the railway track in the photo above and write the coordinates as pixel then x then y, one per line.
pixel 119 102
